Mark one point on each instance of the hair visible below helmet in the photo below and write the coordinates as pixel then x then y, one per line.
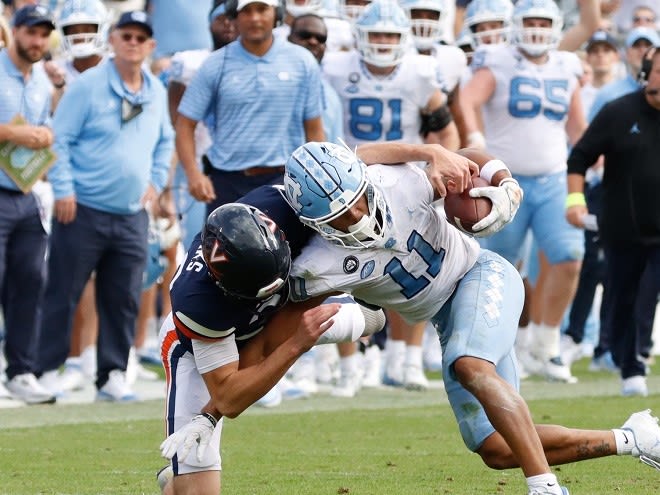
pixel 76 12
pixel 245 252
pixel 424 32
pixel 322 181
pixel 536 41
pixel 480 11
pixel 382 16
pixel 304 7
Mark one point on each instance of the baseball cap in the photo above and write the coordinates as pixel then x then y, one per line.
pixel 33 15
pixel 642 33
pixel 243 3
pixel 601 37
pixel 135 18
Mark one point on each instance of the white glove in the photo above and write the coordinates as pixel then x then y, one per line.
pixel 196 433
pixel 506 200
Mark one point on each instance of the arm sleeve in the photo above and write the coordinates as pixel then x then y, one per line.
pixel 214 354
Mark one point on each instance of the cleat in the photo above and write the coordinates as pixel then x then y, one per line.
pixel 603 362
pixel 634 385
pixel 116 389
pixel 27 388
pixel 414 378
pixel 553 490
pixel 348 386
pixel 570 350
pixel 372 363
pixel 646 435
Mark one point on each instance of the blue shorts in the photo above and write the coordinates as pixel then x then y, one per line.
pixel 542 210
pixel 480 320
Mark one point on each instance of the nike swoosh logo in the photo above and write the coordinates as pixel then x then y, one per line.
pixel 626 437
pixel 551 484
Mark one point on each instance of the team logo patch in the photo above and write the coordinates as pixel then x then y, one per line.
pixel 367 269
pixel 351 264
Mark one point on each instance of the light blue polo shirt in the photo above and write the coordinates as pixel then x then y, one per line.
pixel 256 105
pixel 333 116
pixel 105 162
pixel 29 99
pixel 610 92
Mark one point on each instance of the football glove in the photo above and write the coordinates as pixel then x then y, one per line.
pixel 506 199
pixel 197 434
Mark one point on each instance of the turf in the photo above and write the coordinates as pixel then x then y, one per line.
pixel 382 442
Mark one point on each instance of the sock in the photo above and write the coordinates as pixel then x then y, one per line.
pixel 547 338
pixel 522 338
pixel 395 349
pixel 547 481
pixel 625 441
pixel 348 365
pixel 413 356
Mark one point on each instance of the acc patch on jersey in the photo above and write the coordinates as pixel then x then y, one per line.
pixel 351 264
pixel 367 269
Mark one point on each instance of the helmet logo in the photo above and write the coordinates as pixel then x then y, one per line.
pixel 293 192
pixel 217 257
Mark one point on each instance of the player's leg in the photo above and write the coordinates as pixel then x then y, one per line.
pixel 186 396
pixel 477 330
pixel 563 245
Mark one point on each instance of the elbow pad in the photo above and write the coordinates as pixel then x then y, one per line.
pixel 435 121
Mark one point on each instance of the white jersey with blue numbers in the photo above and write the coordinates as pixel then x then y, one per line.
pixel 417 269
pixel 525 119
pixel 382 108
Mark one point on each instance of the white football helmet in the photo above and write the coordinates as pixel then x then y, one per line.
pixel 76 12
pixel 382 16
pixel 537 41
pixel 322 181
pixel 351 12
pixel 303 7
pixel 425 32
pixel 481 11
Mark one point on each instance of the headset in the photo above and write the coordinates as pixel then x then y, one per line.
pixel 232 11
pixel 645 69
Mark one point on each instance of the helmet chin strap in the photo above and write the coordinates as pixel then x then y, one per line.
pixel 364 229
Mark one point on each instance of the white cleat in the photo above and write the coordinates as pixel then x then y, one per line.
pixel 414 378
pixel 372 367
pixel 646 435
pixel 27 388
pixel 634 385
pixel 164 476
pixel 550 490
pixel 570 350
pixel 348 386
pixel 116 389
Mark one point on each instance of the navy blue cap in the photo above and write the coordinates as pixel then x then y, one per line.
pixel 135 18
pixel 602 37
pixel 33 15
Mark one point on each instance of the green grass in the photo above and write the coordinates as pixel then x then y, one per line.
pixel 382 442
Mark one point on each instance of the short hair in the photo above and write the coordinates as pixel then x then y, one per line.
pixel 296 20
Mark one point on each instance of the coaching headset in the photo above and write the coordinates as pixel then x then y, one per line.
pixel 232 12
pixel 645 70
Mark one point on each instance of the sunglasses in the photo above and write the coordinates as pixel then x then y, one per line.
pixel 305 35
pixel 140 38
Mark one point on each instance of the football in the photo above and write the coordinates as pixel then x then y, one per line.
pixel 463 211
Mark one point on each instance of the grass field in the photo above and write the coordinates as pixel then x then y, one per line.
pixel 382 442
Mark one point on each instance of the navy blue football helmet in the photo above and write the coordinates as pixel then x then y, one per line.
pixel 245 252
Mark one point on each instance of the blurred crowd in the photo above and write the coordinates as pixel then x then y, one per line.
pixel 87 252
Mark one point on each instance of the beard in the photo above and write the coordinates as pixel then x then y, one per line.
pixel 29 55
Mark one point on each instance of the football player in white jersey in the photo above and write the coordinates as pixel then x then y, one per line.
pixel 388 95
pixel 528 94
pixel 426 22
pixel 407 257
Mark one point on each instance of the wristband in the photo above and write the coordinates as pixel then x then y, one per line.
pixel 491 168
pixel 211 418
pixel 575 199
